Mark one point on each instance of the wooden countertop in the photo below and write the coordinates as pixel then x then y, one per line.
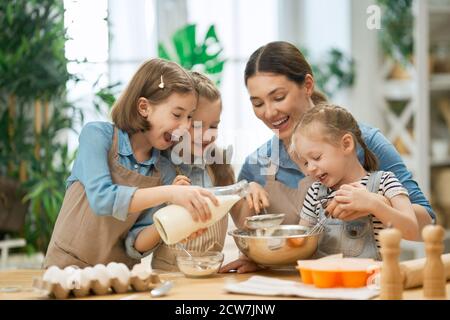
pixel 17 284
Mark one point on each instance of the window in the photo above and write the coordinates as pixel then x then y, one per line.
pixel 242 27
pixel 87 30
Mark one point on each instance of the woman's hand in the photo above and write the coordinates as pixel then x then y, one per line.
pixel 194 200
pixel 257 198
pixel 181 180
pixel 241 265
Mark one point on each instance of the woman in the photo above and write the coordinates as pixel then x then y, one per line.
pixel 280 83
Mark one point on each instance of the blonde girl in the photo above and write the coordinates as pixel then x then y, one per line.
pixel 361 200
pixel 206 166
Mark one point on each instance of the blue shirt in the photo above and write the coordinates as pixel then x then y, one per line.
pixel 255 166
pixel 197 173
pixel 92 170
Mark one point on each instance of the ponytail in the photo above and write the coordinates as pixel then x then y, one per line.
pixel 370 159
pixel 318 97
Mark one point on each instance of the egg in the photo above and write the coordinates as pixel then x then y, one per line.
pixel 86 276
pixel 120 276
pixel 53 274
pixel 102 280
pixel 142 278
pixel 60 283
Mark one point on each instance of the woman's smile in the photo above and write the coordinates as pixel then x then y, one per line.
pixel 281 124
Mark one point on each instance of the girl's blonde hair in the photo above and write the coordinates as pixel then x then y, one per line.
pixel 222 173
pixel 205 87
pixel 336 121
pixel 155 80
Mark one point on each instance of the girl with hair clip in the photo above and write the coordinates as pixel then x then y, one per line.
pixel 119 174
pixel 325 142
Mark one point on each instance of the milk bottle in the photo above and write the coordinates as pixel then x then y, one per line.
pixel 174 223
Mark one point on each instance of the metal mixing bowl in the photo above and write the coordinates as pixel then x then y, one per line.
pixel 279 247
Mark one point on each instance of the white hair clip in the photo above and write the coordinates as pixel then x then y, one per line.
pixel 161 85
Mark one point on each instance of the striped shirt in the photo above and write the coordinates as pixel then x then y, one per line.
pixel 389 187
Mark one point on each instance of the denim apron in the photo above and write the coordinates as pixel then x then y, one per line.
pixel 351 238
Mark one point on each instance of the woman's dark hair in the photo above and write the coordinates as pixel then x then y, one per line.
pixel 282 58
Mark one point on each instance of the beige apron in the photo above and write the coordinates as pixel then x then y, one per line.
pixel 82 238
pixel 286 200
pixel 164 257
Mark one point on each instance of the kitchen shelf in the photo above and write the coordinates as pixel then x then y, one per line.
pixel 439 9
pixel 440 81
pixel 398 89
pixel 431 24
pixel 440 162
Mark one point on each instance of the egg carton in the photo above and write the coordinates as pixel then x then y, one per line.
pixel 97 280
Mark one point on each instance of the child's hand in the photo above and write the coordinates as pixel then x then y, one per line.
pixel 257 197
pixel 194 200
pixel 181 180
pixel 352 201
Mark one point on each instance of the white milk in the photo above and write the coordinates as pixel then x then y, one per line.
pixel 174 223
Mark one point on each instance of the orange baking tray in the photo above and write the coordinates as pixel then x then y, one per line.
pixel 330 273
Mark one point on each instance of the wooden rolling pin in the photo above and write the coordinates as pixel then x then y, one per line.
pixel 412 271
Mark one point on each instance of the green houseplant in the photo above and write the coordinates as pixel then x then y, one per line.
pixel 204 56
pixel 335 72
pixel 396 34
pixel 33 110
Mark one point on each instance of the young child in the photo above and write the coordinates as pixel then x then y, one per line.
pixel 325 141
pixel 197 169
pixel 118 173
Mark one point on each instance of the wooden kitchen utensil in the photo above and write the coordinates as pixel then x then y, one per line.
pixel 434 278
pixel 391 285
pixel 412 271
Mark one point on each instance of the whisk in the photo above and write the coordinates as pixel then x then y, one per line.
pixel 318 227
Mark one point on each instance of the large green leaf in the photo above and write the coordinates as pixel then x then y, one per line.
pixel 204 56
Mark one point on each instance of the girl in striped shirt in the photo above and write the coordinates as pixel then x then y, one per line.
pixel 356 200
